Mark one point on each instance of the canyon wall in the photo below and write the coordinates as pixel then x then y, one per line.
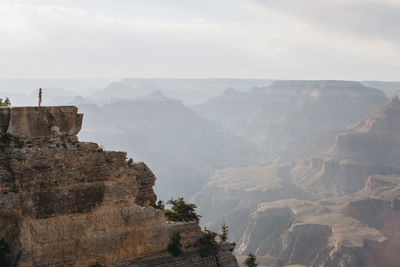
pixel 337 208
pixel 68 203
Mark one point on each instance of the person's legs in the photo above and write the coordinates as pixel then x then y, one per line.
pixel 40 101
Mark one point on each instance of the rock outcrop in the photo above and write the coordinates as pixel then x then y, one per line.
pixel 37 123
pixel 68 203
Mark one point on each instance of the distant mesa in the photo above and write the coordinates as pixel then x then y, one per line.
pixel 231 90
pixel 156 96
pixel 327 84
pixel 287 116
pixel 325 88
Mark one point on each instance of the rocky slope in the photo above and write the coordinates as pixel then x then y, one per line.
pixel 339 208
pixel 69 203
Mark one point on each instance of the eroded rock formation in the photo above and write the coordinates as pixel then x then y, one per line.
pixel 348 213
pixel 371 147
pixel 68 203
pixel 292 119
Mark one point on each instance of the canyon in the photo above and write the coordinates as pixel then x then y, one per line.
pixel 299 172
pixel 336 208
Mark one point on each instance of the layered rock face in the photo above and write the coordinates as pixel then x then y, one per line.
pixel 370 147
pixel 339 208
pixel 67 203
pixel 293 119
pixel 34 123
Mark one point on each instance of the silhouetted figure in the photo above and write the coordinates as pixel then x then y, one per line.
pixel 40 96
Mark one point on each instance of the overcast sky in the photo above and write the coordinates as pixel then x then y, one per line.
pixel 277 39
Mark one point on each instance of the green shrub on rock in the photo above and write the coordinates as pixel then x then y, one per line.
pixel 223 236
pixel 181 211
pixel 208 247
pixel 175 245
pixel 251 260
pixel 159 205
pixel 5 103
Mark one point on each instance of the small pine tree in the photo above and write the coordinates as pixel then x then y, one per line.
pixel 223 236
pixel 208 247
pixel 251 260
pixel 174 247
pixel 159 205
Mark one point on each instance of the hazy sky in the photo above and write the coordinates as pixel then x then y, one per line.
pixel 281 39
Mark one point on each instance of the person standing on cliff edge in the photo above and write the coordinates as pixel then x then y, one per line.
pixel 40 96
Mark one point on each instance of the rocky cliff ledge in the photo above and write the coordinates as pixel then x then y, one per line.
pixel 68 203
pixel 40 123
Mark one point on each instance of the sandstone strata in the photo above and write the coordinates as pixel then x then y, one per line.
pixel 348 214
pixel 67 203
pixel 370 147
pixel 37 123
pixel 190 258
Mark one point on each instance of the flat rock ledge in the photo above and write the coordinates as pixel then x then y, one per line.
pixel 53 123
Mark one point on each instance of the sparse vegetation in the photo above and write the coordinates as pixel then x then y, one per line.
pixel 223 236
pixel 4 253
pixel 174 247
pixel 100 149
pixel 233 244
pixel 251 260
pixel 5 103
pixel 130 161
pixel 147 204
pixel 181 211
pixel 159 205
pixel 208 247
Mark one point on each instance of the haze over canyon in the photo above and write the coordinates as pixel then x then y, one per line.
pixel 302 172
